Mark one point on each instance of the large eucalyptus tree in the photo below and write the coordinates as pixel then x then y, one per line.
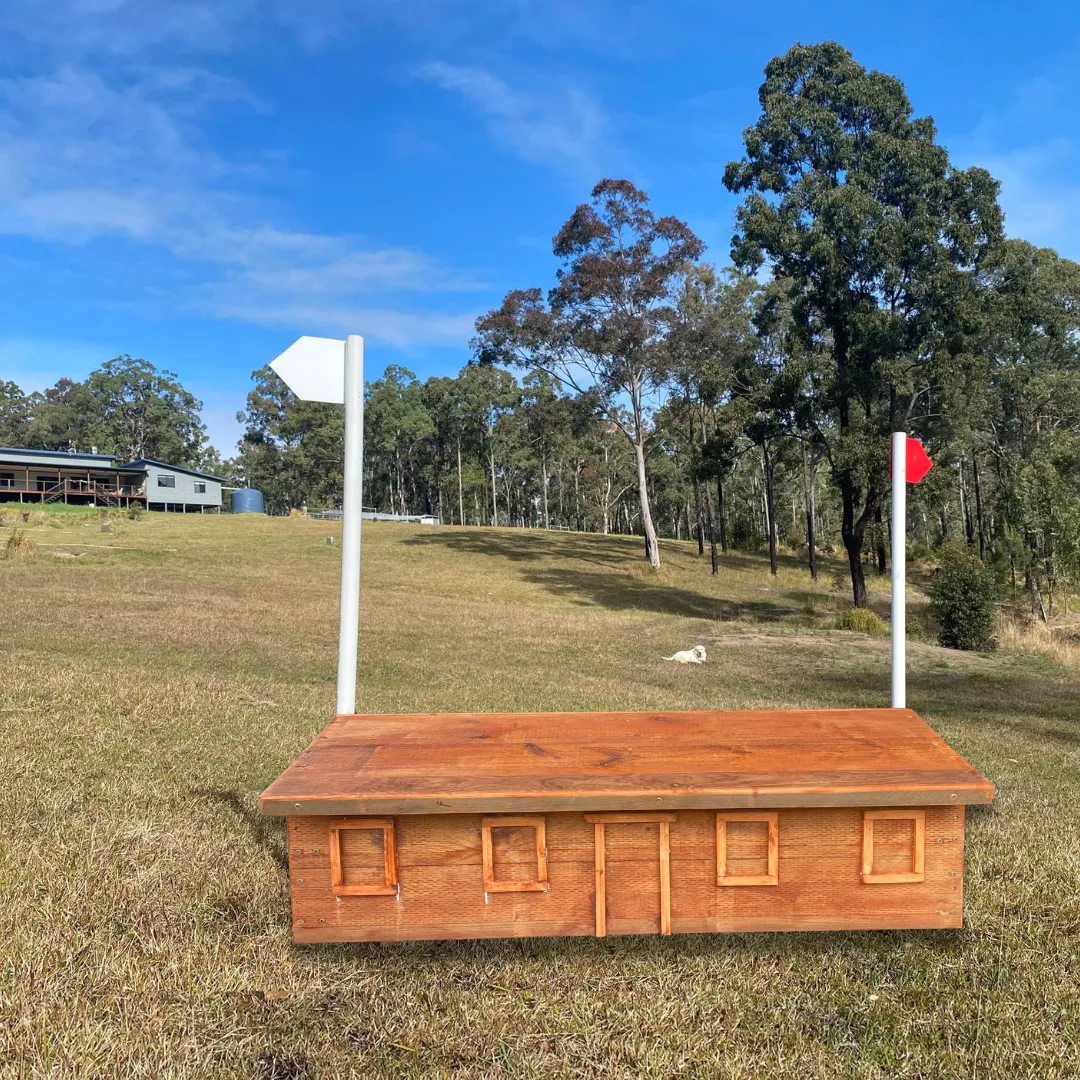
pixel 601 330
pixel 856 210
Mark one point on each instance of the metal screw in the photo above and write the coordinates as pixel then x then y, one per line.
pixel 299 881
pixel 300 921
pixel 297 805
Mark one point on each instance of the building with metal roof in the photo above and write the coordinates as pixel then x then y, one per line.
pixel 51 476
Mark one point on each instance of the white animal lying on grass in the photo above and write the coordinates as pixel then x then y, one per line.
pixel 696 655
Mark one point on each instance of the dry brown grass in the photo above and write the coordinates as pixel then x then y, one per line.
pixel 1058 642
pixel 152 687
pixel 19 545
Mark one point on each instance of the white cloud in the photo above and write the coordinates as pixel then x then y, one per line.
pixel 1022 147
pixel 1039 193
pixel 86 157
pixel 400 329
pixel 564 130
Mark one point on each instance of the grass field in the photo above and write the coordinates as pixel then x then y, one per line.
pixel 155 679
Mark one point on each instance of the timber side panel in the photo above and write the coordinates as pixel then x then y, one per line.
pixel 549 762
pixel 440 872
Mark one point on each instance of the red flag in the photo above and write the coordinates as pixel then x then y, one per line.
pixel 918 460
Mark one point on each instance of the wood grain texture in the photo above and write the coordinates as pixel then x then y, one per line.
pixel 607 879
pixel 612 762
pixel 388 858
pixel 528 878
pixel 915 870
pixel 771 836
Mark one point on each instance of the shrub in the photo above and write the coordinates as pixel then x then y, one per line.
pixel 135 511
pixel 963 599
pixel 862 620
pixel 19 545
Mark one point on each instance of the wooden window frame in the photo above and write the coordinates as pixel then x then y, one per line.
pixel 918 854
pixel 599 821
pixel 537 822
pixel 389 886
pixel 772 865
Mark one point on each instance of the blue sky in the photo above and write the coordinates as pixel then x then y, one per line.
pixel 200 182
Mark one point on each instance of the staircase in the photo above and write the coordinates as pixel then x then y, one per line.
pixel 53 493
pixel 104 497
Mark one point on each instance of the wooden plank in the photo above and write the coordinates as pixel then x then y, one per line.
pixel 630 819
pixel 601 882
pixel 918 861
pixel 819 881
pixel 621 762
pixel 665 877
pixel 772 848
pixel 539 883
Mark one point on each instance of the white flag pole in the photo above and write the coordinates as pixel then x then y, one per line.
pixel 899 570
pixel 352 506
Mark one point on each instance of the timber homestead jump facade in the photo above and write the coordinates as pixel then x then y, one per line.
pixel 511 825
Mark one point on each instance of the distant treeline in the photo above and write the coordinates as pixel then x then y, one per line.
pixel 126 407
pixel 871 289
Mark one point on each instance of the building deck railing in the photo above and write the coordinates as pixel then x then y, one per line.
pixel 59 489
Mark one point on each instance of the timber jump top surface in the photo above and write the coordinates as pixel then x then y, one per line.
pixel 534 762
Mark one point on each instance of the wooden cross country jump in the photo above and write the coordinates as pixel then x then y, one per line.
pixel 509 825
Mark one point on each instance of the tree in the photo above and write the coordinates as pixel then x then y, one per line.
pixel 1031 415
pixel 856 210
pixel 142 412
pixel 547 423
pixel 488 392
pixel 396 422
pixel 63 416
pixel 601 329
pixel 293 451
pixel 710 337
pixel 14 414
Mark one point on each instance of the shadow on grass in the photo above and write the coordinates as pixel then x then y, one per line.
pixel 266 832
pixel 605 588
pixel 615 549
pixel 629 594
pixel 528 545
pixel 470 963
pixel 1018 699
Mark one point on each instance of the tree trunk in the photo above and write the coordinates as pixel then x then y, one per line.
pixel 721 513
pixel 544 472
pixel 494 498
pixel 652 549
pixel 851 531
pixel 808 487
pixel 700 520
pixel 978 507
pixel 965 508
pixel 460 494
pixel 879 537
pixel 770 507
pixel 1036 597
pixel 715 563
pixel 697 491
